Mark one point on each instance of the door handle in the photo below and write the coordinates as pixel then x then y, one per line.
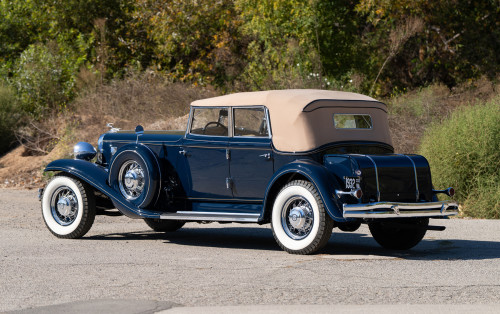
pixel 266 156
pixel 183 152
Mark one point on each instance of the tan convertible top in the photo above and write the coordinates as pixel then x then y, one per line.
pixel 302 119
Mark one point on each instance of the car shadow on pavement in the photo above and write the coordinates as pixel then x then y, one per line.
pixel 246 238
pixel 343 243
pixel 355 245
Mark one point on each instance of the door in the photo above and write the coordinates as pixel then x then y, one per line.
pixel 204 155
pixel 251 160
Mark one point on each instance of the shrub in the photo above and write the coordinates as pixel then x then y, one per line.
pixel 463 152
pixel 44 76
pixel 9 117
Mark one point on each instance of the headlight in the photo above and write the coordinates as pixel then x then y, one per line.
pixel 100 143
pixel 84 151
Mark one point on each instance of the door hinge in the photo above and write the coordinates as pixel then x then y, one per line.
pixel 228 154
pixel 229 183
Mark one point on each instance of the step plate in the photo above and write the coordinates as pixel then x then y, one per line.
pixel 210 216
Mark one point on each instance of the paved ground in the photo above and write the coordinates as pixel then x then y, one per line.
pixel 231 264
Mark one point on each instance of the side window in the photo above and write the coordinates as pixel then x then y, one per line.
pixel 250 122
pixel 210 121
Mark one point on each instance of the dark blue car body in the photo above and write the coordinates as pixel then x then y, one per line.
pixel 187 176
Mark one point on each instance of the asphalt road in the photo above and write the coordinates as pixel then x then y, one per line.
pixel 230 264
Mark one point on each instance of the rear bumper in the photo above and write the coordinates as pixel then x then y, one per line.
pixel 400 210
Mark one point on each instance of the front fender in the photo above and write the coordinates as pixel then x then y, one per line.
pixel 317 174
pixel 97 177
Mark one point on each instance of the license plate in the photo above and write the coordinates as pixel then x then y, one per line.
pixel 351 183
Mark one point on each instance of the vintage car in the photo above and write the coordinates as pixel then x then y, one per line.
pixel 305 161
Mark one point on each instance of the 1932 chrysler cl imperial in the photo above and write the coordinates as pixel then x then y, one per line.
pixel 305 161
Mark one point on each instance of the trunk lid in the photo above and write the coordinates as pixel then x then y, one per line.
pixel 392 177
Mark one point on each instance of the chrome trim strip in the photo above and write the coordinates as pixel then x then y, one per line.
pixel 376 176
pixel 210 216
pixel 415 171
pixel 400 210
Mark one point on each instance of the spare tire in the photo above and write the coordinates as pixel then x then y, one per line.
pixel 136 176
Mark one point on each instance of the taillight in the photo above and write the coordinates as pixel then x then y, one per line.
pixel 449 191
pixel 358 194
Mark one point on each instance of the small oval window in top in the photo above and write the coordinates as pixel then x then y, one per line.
pixel 352 121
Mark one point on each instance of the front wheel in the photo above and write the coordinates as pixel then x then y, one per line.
pixel 68 207
pixel 299 221
pixel 400 234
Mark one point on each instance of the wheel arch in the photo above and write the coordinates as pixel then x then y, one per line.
pixel 309 171
pixel 97 177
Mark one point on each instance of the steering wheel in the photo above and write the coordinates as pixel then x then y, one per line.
pixel 214 122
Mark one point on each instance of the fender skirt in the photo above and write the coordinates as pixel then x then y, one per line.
pixel 97 177
pixel 319 176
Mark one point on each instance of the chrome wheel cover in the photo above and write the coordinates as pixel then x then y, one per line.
pixel 64 206
pixel 131 180
pixel 297 217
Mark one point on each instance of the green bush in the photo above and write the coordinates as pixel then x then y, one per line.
pixel 44 76
pixel 464 152
pixel 9 117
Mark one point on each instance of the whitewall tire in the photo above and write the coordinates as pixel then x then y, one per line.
pixel 299 221
pixel 68 207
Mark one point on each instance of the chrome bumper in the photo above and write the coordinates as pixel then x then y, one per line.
pixel 400 210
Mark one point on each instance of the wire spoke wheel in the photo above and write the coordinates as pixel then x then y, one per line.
pixel 64 206
pixel 297 217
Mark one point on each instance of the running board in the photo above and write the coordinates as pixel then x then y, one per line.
pixel 210 216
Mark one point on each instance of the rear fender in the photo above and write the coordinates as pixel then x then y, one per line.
pixel 324 182
pixel 97 177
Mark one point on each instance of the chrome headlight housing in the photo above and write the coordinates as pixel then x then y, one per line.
pixel 84 151
pixel 100 147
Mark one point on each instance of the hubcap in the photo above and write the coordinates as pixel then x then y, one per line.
pixel 131 180
pixel 64 206
pixel 297 217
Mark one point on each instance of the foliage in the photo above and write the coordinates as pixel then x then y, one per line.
pixel 9 118
pixel 463 153
pixel 194 41
pixel 282 47
pixel 44 76
pixel 459 41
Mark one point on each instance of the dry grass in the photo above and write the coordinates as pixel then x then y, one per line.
pixel 148 100
pixel 410 114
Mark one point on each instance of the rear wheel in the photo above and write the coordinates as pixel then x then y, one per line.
pixel 162 225
pixel 400 234
pixel 299 221
pixel 68 207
